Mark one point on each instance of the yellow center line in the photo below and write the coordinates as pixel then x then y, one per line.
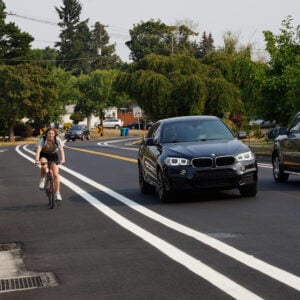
pixel 103 154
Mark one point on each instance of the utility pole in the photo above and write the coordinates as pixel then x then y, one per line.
pixel 99 50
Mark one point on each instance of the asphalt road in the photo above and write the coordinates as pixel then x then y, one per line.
pixel 108 241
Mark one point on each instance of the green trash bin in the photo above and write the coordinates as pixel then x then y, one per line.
pixel 123 131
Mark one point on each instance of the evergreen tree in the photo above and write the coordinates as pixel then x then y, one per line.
pixel 206 46
pixel 74 38
pixel 14 44
pixel 106 56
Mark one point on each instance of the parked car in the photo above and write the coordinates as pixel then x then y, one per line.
pixel 255 121
pixel 113 123
pixel 140 125
pixel 78 132
pixel 194 153
pixel 275 132
pixel 268 124
pixel 286 152
pixel 262 123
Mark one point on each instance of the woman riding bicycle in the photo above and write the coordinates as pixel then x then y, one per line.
pixel 47 151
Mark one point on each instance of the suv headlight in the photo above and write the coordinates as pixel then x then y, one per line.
pixel 245 156
pixel 177 161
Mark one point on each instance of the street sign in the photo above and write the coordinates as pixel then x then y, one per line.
pixel 137 112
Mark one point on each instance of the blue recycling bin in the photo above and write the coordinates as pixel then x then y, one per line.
pixel 126 131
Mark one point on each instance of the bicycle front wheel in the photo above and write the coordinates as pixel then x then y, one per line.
pixel 51 193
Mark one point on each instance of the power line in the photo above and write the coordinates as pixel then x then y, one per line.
pixel 35 60
pixel 115 35
pixel 32 19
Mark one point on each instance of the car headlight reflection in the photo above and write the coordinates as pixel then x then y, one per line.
pixel 177 161
pixel 245 156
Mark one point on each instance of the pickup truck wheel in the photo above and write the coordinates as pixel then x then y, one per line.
pixel 278 173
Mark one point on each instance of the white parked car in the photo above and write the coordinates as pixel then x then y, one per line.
pixel 256 121
pixel 112 123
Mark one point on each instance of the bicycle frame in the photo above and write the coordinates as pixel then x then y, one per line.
pixel 49 185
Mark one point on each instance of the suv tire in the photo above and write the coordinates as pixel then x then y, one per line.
pixel 145 187
pixel 163 189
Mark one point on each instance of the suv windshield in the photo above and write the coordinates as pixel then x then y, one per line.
pixel 76 127
pixel 196 130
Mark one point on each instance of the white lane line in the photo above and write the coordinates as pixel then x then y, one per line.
pixel 108 144
pixel 249 260
pixel 196 266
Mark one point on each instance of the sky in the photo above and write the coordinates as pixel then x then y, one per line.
pixel 246 19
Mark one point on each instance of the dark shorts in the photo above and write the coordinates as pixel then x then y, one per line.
pixel 50 157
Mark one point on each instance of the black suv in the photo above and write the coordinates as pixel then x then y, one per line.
pixel 286 152
pixel 194 153
pixel 78 132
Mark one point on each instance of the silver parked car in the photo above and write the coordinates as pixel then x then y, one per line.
pixel 113 123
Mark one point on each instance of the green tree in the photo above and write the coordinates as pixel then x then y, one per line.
pixel 67 93
pixel 149 37
pixel 44 57
pixel 73 54
pixel 13 94
pixel 205 47
pixel 158 38
pixel 107 58
pixel 28 91
pixel 14 44
pixel 178 85
pixel 238 69
pixel 42 104
pixel 281 87
pixel 94 92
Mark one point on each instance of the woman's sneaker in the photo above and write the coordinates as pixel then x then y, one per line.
pixel 58 196
pixel 42 183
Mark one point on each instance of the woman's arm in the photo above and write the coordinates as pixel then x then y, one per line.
pixel 62 156
pixel 37 154
pixel 62 153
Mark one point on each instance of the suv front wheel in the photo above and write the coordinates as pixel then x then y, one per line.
pixel 145 187
pixel 278 173
pixel 165 194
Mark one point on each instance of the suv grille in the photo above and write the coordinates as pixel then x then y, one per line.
pixel 209 162
pixel 202 162
pixel 225 161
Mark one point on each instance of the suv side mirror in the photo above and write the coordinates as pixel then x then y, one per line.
pixel 149 142
pixel 282 131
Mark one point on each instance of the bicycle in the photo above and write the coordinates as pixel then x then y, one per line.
pixel 49 185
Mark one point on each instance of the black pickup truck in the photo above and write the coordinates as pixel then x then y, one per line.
pixel 286 152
